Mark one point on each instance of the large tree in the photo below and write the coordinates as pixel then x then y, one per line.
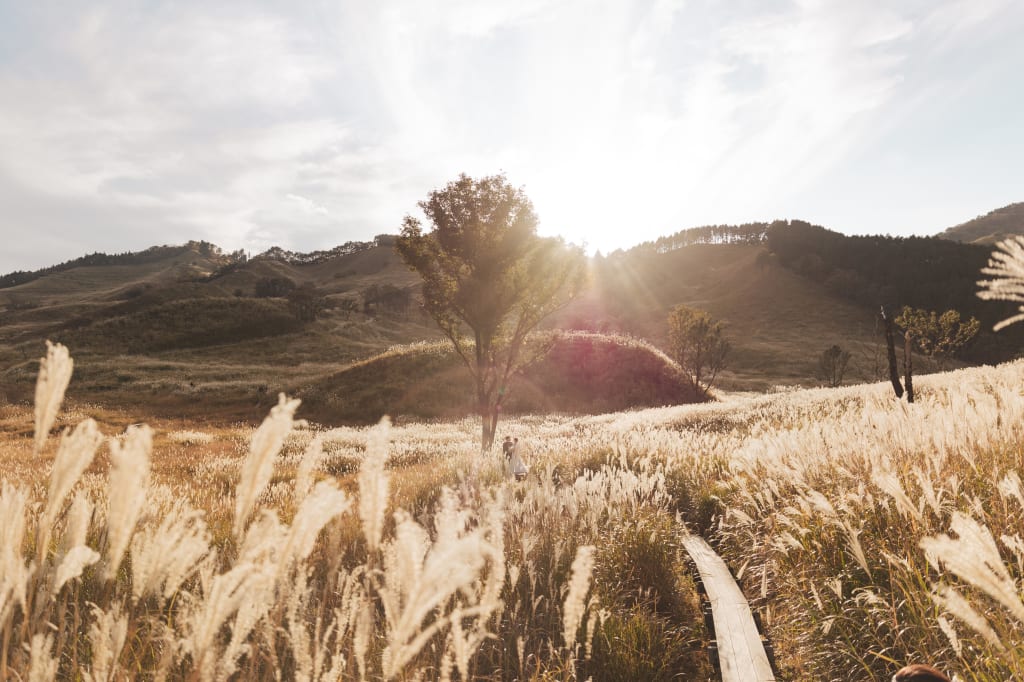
pixel 488 279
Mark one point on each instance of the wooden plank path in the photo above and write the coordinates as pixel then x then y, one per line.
pixel 741 652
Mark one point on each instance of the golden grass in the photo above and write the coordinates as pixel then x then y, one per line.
pixel 173 561
pixel 869 533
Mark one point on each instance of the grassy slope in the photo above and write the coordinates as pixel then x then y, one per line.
pixel 778 322
pixel 582 372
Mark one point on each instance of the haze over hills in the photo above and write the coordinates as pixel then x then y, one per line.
pixel 990 228
pixel 192 329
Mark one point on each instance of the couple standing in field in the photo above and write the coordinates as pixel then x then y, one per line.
pixel 513 461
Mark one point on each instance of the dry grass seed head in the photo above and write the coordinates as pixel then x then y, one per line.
pixel 54 376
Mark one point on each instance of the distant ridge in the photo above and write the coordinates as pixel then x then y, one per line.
pixel 151 255
pixel 990 228
pixel 315 257
pixel 228 261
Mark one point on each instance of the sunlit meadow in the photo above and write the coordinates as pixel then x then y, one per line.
pixel 868 533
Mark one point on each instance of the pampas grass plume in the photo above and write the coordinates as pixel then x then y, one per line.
pixel 974 557
pixel 259 464
pixel 373 484
pixel 107 634
pixel 53 379
pixel 162 558
pixel 579 584
pixel 128 477
pixel 42 666
pixel 13 571
pixel 317 510
pixel 1007 268
pixel 74 455
pixel 72 565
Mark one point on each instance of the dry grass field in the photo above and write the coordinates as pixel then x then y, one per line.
pixel 868 532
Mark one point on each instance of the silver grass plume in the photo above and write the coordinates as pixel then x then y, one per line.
pixel 72 565
pixel 42 666
pixel 420 578
pixel 259 465
pixel 373 484
pixel 263 539
pixel 311 459
pixel 74 455
pixel 890 484
pixel 14 573
pixel 950 632
pixel 226 593
pixel 129 474
pixel 1007 268
pixel 579 584
pixel 257 602
pixel 974 557
pixel 298 635
pixel 317 510
pixel 165 556
pixel 312 652
pixel 107 635
pixel 53 379
pixel 953 602
pixel 78 519
pixel 361 636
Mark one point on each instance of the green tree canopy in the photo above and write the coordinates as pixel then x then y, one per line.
pixel 698 344
pixel 937 336
pixel 488 279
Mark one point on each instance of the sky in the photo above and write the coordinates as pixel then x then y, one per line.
pixel 304 125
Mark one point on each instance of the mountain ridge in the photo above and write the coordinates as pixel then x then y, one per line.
pixel 991 228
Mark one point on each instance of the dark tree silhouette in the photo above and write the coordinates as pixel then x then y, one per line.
pixel 832 365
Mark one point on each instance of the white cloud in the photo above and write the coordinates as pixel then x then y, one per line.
pixel 308 205
pixel 309 125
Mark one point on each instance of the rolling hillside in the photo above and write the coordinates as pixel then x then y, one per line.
pixel 189 333
pixel 990 228
pixel 777 321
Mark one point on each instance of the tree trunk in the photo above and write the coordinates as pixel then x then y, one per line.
pixel 890 343
pixel 488 423
pixel 908 366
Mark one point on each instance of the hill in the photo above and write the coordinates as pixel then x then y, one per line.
pixel 581 373
pixel 777 321
pixel 990 228
pixel 201 333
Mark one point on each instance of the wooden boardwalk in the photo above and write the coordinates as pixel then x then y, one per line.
pixel 741 653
